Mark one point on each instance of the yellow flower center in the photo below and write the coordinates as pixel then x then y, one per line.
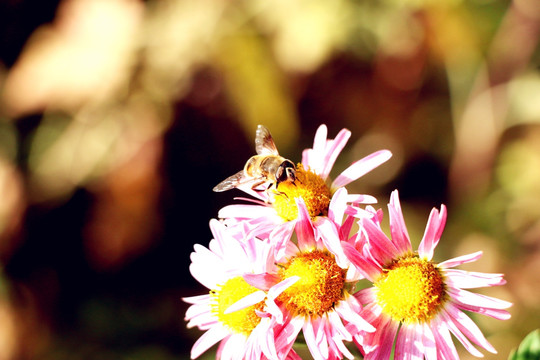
pixel 309 186
pixel 241 321
pixel 411 290
pixel 321 283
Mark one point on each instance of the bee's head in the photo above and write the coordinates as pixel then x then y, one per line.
pixel 286 172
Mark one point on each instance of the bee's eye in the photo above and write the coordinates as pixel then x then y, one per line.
pixel 291 174
pixel 280 174
pixel 286 171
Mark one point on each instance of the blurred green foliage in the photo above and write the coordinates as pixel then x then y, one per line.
pixel 529 349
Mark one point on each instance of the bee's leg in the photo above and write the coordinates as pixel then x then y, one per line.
pixel 258 183
pixel 280 192
pixel 283 194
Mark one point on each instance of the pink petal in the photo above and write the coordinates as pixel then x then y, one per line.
pixel 480 304
pixel 260 255
pixel 337 326
pixel 216 227
pixel 380 247
pixel 232 347
pixel 200 271
pixel 280 237
pixel 337 333
pixel 338 204
pixel 207 340
pixel 265 331
pixel 334 147
pixel 366 296
pixel 346 312
pixel 258 192
pixel 307 158
pixel 313 158
pixel 469 328
pixel 494 313
pixel 361 199
pixel 246 211
pixel 196 299
pixel 398 229
pixel 461 260
pixel 317 350
pixel 433 232
pixel 199 315
pixel 287 336
pixel 277 289
pixel 328 232
pixel 319 142
pixel 428 342
pixel 260 227
pixel 360 168
pixel 319 325
pixel 273 309
pixel 262 281
pixel 381 342
pixel 459 335
pixel 445 346
pixel 469 279
pixel 246 301
pixel 365 266
pixel 358 212
pixel 346 228
pixel 203 322
pixel 468 298
pixel 304 228
pixel 198 309
pixel 408 341
pixel 226 246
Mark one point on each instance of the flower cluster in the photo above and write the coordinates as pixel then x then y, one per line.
pixel 286 265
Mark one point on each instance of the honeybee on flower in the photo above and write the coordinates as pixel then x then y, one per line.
pixel 266 166
pixel 272 214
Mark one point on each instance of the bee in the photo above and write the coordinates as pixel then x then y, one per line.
pixel 266 166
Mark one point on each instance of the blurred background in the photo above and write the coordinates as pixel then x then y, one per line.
pixel 117 117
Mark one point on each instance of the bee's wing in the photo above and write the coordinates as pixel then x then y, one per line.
pixel 264 144
pixel 231 182
pixel 238 179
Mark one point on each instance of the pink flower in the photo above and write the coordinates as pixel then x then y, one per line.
pixel 414 299
pixel 273 214
pixel 308 291
pixel 231 312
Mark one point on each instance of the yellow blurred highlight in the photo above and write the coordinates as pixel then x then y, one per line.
pixel 22 332
pixel 68 153
pixel 524 92
pixel 84 56
pixel 304 33
pixel 519 166
pixel 8 331
pixel 256 87
pixel 422 3
pixel 61 158
pixel 178 36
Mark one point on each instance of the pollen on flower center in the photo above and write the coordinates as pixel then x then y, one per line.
pixel 411 290
pixel 241 321
pixel 309 186
pixel 320 285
